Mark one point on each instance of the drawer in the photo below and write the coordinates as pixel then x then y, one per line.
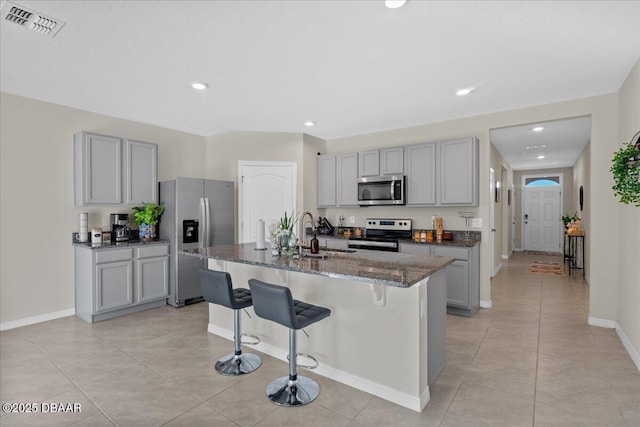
pixel 152 251
pixel 457 253
pixel 114 255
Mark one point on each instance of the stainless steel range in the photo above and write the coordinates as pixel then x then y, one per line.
pixel 382 234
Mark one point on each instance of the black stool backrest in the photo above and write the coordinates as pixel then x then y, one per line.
pixel 273 302
pixel 217 287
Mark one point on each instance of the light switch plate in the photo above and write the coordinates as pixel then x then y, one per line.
pixel 352 220
pixel 476 222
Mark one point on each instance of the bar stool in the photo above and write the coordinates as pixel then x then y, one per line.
pixel 275 303
pixel 218 289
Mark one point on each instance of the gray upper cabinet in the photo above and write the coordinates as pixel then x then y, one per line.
pixel 97 169
pixel 392 161
pixel 111 171
pixel 459 172
pixel 347 179
pixel 141 172
pixel 420 163
pixel 369 163
pixel 326 180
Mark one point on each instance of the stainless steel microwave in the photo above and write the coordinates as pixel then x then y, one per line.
pixel 381 190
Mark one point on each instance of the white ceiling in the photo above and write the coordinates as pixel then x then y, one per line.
pixel 561 142
pixel 351 66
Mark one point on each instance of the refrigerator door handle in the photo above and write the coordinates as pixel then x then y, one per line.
pixel 208 222
pixel 203 223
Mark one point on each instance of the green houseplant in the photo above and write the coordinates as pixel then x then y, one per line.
pixel 566 219
pixel 625 167
pixel 146 218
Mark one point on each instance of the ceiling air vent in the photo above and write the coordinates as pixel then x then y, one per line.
pixel 29 19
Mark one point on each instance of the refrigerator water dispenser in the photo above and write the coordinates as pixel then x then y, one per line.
pixel 190 231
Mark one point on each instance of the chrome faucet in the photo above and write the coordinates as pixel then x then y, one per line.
pixel 302 231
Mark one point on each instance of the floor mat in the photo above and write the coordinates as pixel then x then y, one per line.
pixel 548 268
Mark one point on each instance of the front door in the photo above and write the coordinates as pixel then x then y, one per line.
pixel 266 190
pixel 541 216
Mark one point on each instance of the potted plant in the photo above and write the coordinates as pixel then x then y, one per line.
pixel 286 237
pixel 625 168
pixel 146 218
pixel 567 219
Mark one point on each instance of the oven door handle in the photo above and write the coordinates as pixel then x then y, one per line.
pixel 371 243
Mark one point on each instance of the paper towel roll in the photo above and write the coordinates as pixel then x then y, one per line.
pixel 260 235
pixel 83 227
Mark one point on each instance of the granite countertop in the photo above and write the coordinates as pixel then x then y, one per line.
pixel 383 268
pixel 116 245
pixel 458 239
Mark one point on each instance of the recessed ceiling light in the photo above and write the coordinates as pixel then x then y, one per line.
pixel 394 4
pixel 309 123
pixel 541 156
pixel 462 92
pixel 199 85
pixel 538 129
pixel 535 147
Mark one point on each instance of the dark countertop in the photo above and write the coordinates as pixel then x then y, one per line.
pixel 116 245
pixel 458 239
pixel 383 268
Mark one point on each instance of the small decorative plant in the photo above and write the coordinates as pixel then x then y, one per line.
pixel 566 219
pixel 285 238
pixel 146 218
pixel 625 168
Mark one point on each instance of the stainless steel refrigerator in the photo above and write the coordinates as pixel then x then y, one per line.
pixel 198 213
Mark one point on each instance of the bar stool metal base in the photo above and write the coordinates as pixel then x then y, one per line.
pixel 285 392
pixel 241 364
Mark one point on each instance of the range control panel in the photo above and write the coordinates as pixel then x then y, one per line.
pixel 388 224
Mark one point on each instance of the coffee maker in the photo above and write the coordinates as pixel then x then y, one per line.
pixel 120 227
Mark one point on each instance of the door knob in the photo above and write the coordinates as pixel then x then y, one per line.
pixel 493 229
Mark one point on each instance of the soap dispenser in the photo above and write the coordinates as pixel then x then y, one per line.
pixel 315 245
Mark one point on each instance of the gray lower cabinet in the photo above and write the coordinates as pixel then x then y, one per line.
pixel 463 275
pixel 463 279
pixel 113 282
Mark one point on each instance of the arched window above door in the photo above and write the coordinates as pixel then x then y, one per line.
pixel 551 181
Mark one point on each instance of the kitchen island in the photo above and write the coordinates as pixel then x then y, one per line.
pixel 386 332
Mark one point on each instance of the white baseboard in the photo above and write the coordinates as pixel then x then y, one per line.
pixel 37 319
pixel 518 250
pixel 399 398
pixel 486 304
pixel 603 323
pixel 633 352
pixel 504 256
pixel 612 324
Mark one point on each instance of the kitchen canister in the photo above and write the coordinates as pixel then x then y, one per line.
pixel 83 227
pixel 96 236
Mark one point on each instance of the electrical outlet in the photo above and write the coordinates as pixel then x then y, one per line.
pixel 352 220
pixel 476 222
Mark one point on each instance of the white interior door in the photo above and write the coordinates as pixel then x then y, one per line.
pixel 541 219
pixel 265 191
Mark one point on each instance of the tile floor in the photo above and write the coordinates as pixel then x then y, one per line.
pixel 530 360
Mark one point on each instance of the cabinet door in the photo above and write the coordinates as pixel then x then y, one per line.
pixel 420 167
pixel 152 281
pixel 415 248
pixel 458 283
pixel 458 172
pixel 369 163
pixel 326 180
pixel 141 172
pixel 347 181
pixel 392 161
pixel 114 285
pixel 98 169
